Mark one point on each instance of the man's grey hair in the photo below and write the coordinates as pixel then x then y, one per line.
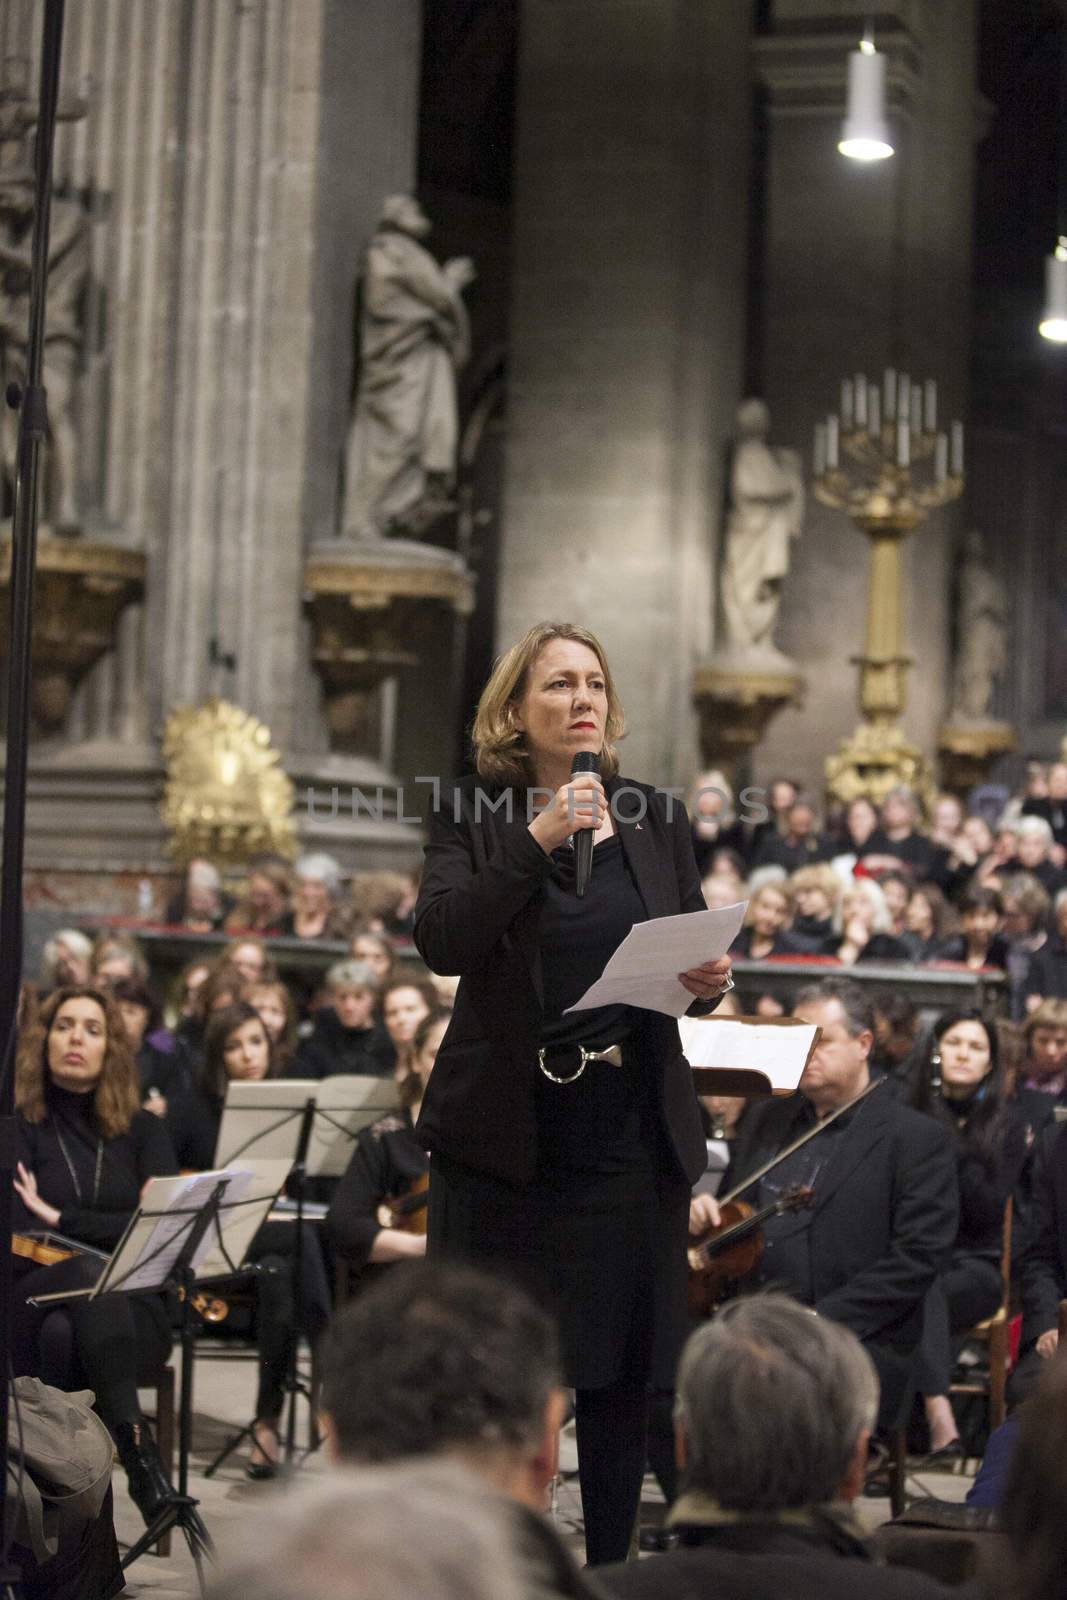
pixel 773 1399
pixel 858 1010
pixel 1035 828
pixel 427 1528
pixel 352 975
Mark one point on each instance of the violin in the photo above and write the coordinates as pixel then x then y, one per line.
pixel 47 1250
pixel 723 1255
pixel 407 1211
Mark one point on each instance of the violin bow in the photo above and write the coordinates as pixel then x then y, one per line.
pixel 768 1166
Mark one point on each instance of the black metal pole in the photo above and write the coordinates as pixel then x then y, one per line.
pixel 33 427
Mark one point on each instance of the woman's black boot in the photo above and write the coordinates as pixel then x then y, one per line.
pixel 150 1488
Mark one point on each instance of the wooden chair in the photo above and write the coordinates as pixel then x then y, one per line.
pixel 993 1333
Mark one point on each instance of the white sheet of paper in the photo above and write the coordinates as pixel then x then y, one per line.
pixel 779 1053
pixel 644 969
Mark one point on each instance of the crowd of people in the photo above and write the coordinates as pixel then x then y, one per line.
pixel 915 1185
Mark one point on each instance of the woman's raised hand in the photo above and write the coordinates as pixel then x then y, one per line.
pixel 578 803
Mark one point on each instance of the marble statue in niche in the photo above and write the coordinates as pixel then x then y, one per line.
pixel 766 514
pixel 68 270
pixel 981 634
pixel 400 459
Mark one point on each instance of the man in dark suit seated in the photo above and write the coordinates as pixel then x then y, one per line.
pixel 775 1410
pixel 885 1205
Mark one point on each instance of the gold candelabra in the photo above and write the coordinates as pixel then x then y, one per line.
pixel 885 432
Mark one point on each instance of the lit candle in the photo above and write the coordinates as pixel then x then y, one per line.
pixel 931 406
pixel 847 413
pixel 876 413
pixel 941 457
pixel 861 401
pixel 903 443
pixel 957 449
pixel 831 442
pixel 890 391
pixel 916 410
pixel 820 449
pixel 903 397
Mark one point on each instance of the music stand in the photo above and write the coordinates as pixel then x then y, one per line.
pixel 313 1123
pixel 176 1240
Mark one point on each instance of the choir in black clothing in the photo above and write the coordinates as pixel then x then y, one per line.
pixel 237 1047
pixel 84 1150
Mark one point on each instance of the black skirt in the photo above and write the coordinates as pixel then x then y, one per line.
pixel 603 1252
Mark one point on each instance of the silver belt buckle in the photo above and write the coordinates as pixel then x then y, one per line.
pixel 613 1055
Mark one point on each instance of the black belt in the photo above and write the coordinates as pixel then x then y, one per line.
pixel 612 1055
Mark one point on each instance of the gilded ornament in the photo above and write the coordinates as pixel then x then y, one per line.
pixel 227 796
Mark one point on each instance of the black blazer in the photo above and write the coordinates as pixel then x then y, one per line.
pixel 1044 1267
pixel 477 915
pixel 885 1215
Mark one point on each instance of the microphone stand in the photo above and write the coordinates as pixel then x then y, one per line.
pixel 31 404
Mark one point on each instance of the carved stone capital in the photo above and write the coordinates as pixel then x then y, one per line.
pixel 736 703
pixel 969 749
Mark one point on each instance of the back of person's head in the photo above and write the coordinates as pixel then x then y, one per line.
pixel 1033 1513
pixel 775 1406
pixel 439 1358
pixel 427 1529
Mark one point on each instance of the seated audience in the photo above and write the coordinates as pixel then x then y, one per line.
pixel 428 1530
pixel 1033 854
pixel 798 846
pixel 886 1207
pixel 405 1002
pixel 897 1044
pixel 200 906
pixel 860 826
pixel 1046 972
pixel 782 795
pixel 1043 1268
pixel 237 1048
pixel 445 1361
pixel 979 942
pixel 1024 926
pixel 65 960
pixel 84 1149
pixel 387 1164
pixel 116 955
pixel 925 922
pixel 962 1084
pixel 775 1412
pixel 710 804
pixel 816 891
pixel 316 912
pixel 266 901
pixel 863 925
pixel 898 842
pixel 1042 1080
pixel 376 950
pixel 766 919
pixel 1052 803
pixel 344 1035
pixel 250 960
pixel 896 890
pixel 274 1003
pixel 720 892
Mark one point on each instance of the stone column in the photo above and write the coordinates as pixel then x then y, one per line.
pixel 627 337
pixel 865 267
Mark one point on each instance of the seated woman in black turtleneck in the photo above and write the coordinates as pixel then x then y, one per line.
pixel 961 1082
pixel 84 1150
pixel 237 1048
pixel 766 919
pixel 387 1163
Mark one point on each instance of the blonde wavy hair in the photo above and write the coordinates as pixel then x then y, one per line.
pixel 117 1094
pixel 498 744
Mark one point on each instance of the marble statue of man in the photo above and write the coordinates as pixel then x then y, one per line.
pixel 400 459
pixel 766 514
pixel 982 634
pixel 68 270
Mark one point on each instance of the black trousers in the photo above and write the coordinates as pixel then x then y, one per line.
pixel 967 1292
pixel 282 1314
pixel 107 1345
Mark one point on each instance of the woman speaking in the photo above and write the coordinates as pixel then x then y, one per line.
pixel 563 1148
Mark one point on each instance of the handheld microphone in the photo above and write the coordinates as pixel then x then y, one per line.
pixel 584 761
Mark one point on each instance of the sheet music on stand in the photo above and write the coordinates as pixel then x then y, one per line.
pixel 153 1241
pixel 265 1118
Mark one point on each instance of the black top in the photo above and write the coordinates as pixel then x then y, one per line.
pixel 787 1255
pixel 1046 974
pixel 160 1070
pixel 809 935
pixel 778 851
pixel 955 949
pixel 987 1175
pixel 385 1163
pixel 331 1048
pixel 915 850
pixel 95 1182
pixel 193 1120
pixel 879 947
pixel 781 945
pixel 594 1123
